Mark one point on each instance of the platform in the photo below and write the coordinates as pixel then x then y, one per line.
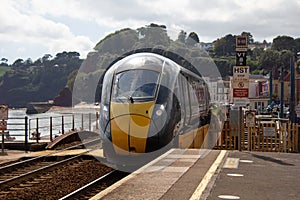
pixel 174 175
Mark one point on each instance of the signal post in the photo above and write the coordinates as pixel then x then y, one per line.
pixel 241 73
pixel 3 124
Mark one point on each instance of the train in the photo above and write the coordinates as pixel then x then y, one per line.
pixel 147 101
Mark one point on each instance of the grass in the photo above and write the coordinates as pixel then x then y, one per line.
pixel 3 69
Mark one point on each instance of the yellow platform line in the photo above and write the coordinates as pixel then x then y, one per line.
pixel 209 174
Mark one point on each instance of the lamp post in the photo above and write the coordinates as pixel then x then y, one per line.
pixel 281 92
pixel 292 97
pixel 292 103
pixel 293 65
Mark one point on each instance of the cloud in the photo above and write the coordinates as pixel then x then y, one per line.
pixel 21 26
pixel 53 24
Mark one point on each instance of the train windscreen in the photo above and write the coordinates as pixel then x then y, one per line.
pixel 135 84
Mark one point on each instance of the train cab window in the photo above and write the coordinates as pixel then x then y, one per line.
pixel 135 84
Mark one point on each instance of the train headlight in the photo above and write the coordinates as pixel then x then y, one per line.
pixel 104 120
pixel 160 111
pixel 105 112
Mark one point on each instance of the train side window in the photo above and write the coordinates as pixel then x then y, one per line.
pixel 187 100
pixel 184 99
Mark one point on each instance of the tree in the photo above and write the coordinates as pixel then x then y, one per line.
pixel 181 37
pixel 297 45
pixel 153 35
pixel 192 39
pixel 286 58
pixel 118 42
pixel 4 62
pixel 46 57
pixel 18 63
pixel 249 36
pixel 269 59
pixel 225 45
pixel 28 62
pixel 284 43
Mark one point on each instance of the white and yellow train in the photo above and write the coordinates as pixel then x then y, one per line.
pixel 147 102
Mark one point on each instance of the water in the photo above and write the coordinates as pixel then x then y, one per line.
pixel 84 117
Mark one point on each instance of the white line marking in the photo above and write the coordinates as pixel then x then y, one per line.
pixel 206 179
pixel 235 175
pixel 228 197
pixel 246 161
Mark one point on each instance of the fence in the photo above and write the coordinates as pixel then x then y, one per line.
pixel 55 126
pixel 46 128
pixel 269 136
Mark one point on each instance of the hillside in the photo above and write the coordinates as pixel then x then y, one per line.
pixel 38 81
pixel 43 79
pixel 3 70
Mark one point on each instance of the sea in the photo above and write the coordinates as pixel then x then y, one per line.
pixel 63 120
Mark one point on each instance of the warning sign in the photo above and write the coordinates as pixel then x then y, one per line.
pixel 250 118
pixel 240 92
pixel 3 125
pixel 3 112
pixel 240 82
pixel 241 43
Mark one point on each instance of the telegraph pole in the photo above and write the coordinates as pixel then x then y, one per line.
pixel 292 98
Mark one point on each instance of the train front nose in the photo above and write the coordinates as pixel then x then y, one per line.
pixel 130 126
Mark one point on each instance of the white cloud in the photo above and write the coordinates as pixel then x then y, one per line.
pixel 21 26
pixel 46 22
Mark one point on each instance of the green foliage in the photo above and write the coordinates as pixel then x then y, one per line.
pixel 283 43
pixel 25 82
pixel 42 79
pixel 3 70
pixel 225 45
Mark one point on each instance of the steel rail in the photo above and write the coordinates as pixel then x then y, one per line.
pixel 79 191
pixel 31 160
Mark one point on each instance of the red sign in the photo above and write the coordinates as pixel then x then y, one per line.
pixel 240 92
pixel 3 125
pixel 3 111
pixel 241 41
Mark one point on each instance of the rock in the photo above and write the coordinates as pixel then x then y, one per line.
pixel 64 98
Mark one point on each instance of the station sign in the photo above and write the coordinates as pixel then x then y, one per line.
pixel 241 101
pixel 240 82
pixel 240 93
pixel 269 131
pixel 3 125
pixel 241 58
pixel 241 73
pixel 250 118
pixel 241 43
pixel 3 112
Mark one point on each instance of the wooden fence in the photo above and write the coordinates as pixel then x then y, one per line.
pixel 268 136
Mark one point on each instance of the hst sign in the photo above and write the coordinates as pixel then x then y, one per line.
pixel 241 73
pixel 240 81
pixel 241 70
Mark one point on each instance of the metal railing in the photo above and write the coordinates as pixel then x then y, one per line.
pixel 54 126
pixel 24 129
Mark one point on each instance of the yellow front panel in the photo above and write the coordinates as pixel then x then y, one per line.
pixel 119 130
pixel 139 127
pixel 130 125
pixel 119 125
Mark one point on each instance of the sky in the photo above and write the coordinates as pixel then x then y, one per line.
pixel 33 28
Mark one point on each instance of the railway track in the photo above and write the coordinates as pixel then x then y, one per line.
pixel 53 177
pixel 96 186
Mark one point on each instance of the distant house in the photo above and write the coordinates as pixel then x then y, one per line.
pixel 206 46
pixel 258 45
